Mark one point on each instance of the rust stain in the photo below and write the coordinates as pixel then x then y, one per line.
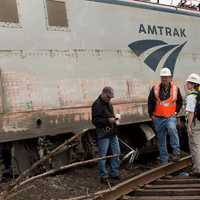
pixel 54 122
pixel 77 117
pixel 20 117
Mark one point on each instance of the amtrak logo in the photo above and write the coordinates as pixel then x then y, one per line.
pixel 155 57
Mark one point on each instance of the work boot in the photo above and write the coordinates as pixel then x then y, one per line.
pixel 115 177
pixel 195 174
pixel 163 163
pixel 175 157
pixel 104 179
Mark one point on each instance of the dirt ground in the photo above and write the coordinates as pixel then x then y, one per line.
pixel 71 183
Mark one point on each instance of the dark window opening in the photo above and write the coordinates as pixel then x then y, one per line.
pixel 8 11
pixel 57 15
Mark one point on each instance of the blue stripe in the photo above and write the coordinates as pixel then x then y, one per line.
pixel 154 58
pixel 141 46
pixel 171 60
pixel 149 7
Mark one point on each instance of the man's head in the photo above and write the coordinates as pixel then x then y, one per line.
pixel 165 76
pixel 107 93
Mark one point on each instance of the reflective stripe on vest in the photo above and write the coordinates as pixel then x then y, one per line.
pixel 165 108
pixel 194 93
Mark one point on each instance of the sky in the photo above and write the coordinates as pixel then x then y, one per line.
pixel 175 2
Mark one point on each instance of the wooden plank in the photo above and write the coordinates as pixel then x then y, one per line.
pixel 167 192
pixel 173 186
pixel 178 181
pixel 164 198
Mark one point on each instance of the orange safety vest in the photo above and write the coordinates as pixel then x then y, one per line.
pixel 167 107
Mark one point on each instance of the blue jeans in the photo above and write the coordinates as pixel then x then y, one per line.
pixel 163 127
pixel 104 144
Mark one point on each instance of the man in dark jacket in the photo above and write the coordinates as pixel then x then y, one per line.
pixel 104 119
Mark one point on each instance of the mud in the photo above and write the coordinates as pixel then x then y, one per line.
pixel 71 183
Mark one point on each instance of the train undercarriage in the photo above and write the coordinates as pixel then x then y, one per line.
pixel 136 140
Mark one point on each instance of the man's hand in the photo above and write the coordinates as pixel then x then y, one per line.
pixel 189 131
pixel 190 120
pixel 152 117
pixel 111 120
pixel 186 88
pixel 178 123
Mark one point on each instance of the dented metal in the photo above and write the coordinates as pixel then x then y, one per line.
pixel 50 75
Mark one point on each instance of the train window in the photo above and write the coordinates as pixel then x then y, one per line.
pixel 56 10
pixel 8 11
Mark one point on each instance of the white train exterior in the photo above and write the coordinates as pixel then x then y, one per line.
pixel 56 56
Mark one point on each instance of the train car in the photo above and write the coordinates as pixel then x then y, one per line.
pixel 57 55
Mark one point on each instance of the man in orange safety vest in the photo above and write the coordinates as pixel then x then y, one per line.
pixel 164 102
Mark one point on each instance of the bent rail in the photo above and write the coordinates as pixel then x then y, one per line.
pixel 138 181
pixel 142 179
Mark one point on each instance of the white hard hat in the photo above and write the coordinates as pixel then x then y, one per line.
pixel 165 72
pixel 194 78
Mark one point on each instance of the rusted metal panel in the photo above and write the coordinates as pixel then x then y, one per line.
pixel 16 126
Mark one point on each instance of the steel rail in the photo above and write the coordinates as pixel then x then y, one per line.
pixel 134 183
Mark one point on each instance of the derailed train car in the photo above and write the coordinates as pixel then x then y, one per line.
pixel 56 56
